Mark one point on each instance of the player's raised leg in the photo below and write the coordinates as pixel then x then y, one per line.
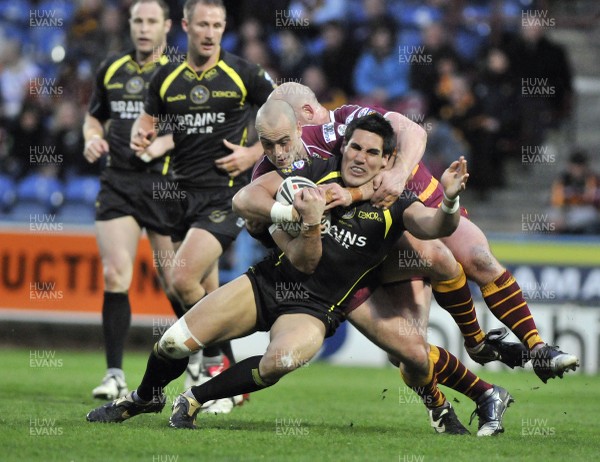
pixel 229 312
pixel 117 242
pixel 505 300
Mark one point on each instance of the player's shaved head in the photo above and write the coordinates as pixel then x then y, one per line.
pixel 270 114
pixel 304 102
pixel 279 133
pixel 294 93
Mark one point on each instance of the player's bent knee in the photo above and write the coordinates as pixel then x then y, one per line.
pixel 183 283
pixel 416 358
pixel 178 342
pixel 443 264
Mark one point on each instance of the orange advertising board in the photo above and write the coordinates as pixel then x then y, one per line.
pixel 63 272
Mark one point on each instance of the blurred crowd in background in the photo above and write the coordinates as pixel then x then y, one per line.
pixel 483 77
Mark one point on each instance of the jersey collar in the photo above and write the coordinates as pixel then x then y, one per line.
pixel 201 76
pixel 164 59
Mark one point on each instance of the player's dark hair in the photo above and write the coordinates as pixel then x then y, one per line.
pixel 188 7
pixel 374 123
pixel 163 6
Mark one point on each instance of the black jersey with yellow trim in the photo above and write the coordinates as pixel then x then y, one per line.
pixel 201 110
pixel 358 240
pixel 119 94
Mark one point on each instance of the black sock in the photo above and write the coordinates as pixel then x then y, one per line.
pixel 116 318
pixel 218 349
pixel 228 352
pixel 160 371
pixel 237 380
pixel 177 306
pixel 211 351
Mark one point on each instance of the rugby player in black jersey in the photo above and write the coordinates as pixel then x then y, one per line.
pixel 351 249
pixel 206 102
pixel 125 203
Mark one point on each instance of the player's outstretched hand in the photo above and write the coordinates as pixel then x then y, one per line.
pixel 335 195
pixel 310 203
pixel 237 162
pixel 95 148
pixel 454 179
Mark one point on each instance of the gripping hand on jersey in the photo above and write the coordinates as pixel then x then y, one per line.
pixel 454 179
pixel 335 195
pixel 310 204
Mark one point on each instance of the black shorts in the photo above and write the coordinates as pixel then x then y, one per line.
pixel 275 298
pixel 208 209
pixel 136 194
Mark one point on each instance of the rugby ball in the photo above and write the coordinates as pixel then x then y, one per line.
pixel 285 195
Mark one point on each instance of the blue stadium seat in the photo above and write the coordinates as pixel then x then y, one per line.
pixel 40 189
pixel 15 12
pixel 76 213
pixel 409 37
pixel 82 189
pixel 414 14
pixel 23 211
pixel 477 12
pixel 64 9
pixel 230 41
pixel 315 47
pixel 8 192
pixel 468 42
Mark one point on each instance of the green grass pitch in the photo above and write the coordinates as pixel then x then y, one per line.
pixel 318 413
